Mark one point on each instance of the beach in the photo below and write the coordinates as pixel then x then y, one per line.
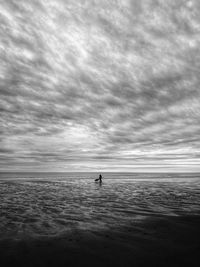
pixel 159 242
pixel 123 222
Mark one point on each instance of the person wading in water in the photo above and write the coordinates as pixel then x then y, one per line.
pixel 100 178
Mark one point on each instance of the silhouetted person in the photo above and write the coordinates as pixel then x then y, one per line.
pixel 100 178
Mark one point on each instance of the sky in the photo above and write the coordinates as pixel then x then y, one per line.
pixel 100 85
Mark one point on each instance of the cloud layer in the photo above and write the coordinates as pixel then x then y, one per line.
pixel 100 85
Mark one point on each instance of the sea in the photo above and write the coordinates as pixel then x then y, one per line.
pixel 53 204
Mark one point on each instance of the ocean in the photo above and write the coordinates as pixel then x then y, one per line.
pixel 53 204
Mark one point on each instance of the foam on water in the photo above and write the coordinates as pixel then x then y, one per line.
pixel 39 206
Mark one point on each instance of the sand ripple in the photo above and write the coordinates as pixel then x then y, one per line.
pixel 43 207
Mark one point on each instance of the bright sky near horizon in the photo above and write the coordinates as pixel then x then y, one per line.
pixel 100 85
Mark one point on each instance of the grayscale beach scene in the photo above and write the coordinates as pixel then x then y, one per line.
pixel 99 133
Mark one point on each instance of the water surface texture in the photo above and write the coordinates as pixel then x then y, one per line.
pixel 53 204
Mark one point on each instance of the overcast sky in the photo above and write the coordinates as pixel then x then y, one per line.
pixel 100 85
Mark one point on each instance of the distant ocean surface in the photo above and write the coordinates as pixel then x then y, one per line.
pixel 52 204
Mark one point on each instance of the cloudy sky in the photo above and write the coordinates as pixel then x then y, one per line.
pixel 100 85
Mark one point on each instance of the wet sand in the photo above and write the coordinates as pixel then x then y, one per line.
pixel 156 241
pixel 123 222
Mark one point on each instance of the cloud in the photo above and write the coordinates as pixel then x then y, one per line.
pixel 89 85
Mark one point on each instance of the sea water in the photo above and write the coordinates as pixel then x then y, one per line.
pixel 52 204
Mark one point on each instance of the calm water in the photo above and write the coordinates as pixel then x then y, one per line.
pixel 53 204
